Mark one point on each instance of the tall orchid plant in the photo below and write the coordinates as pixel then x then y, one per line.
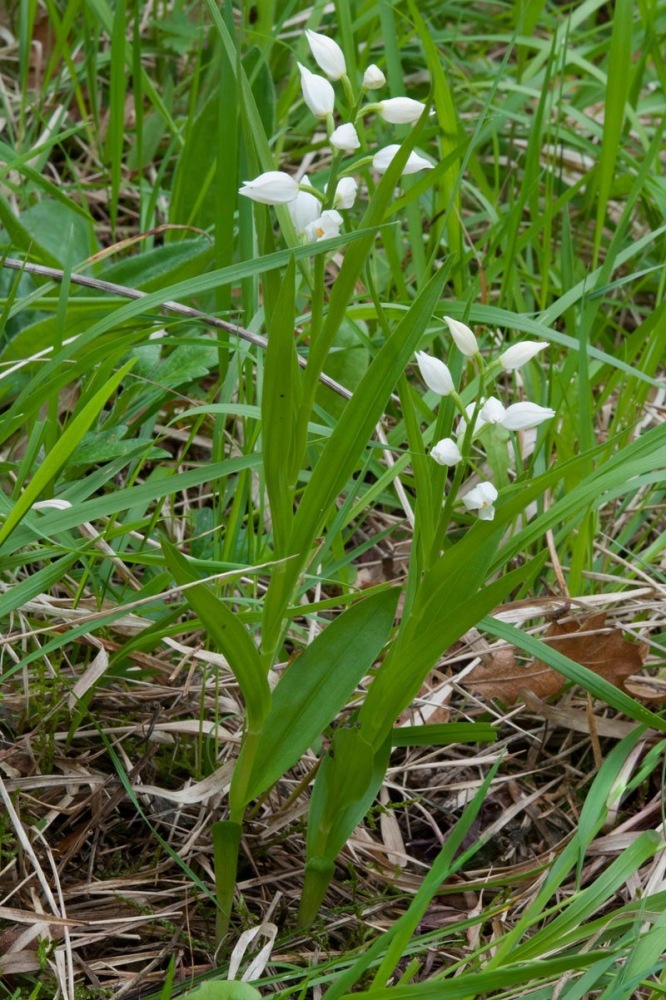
pixel 304 488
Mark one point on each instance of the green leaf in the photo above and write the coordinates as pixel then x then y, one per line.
pixel 229 634
pixel 280 402
pixel 155 268
pixel 455 604
pixel 62 450
pixel 442 734
pixel 193 200
pixel 329 830
pixel 318 684
pixel 480 984
pixel 347 363
pixel 224 989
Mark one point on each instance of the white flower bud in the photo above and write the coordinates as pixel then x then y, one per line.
pixel 481 499
pixel 492 411
pixel 446 452
pixel 327 54
pixel 304 209
pixel 318 94
pixel 435 374
pixel 523 416
pixel 381 161
pixel 272 188
pixel 400 110
pixel 345 138
pixel 373 78
pixel 518 355
pixel 327 225
pixel 463 337
pixel 345 193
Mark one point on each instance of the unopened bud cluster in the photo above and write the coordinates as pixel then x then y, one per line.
pixel 315 214
pixel 483 412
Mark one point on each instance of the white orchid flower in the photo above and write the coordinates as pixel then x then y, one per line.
pixel 271 188
pixel 318 93
pixel 446 452
pixel 435 374
pixel 328 224
pixel 400 110
pixel 373 78
pixel 519 354
pixel 381 161
pixel 345 137
pixel 304 209
pixel 523 416
pixel 463 337
pixel 327 54
pixel 345 193
pixel 481 500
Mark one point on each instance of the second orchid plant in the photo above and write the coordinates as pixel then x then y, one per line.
pixel 478 415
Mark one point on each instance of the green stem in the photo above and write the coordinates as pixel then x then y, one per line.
pixel 318 877
pixel 226 843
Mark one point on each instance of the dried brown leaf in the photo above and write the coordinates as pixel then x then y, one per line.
pixel 587 642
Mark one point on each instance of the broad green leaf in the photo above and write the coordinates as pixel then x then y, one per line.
pixel 156 268
pixel 47 220
pixel 328 833
pixel 230 635
pixel 318 684
pixel 347 363
pixel 452 610
pixel 62 450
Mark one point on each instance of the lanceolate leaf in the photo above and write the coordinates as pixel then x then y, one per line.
pixel 452 611
pixel 318 684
